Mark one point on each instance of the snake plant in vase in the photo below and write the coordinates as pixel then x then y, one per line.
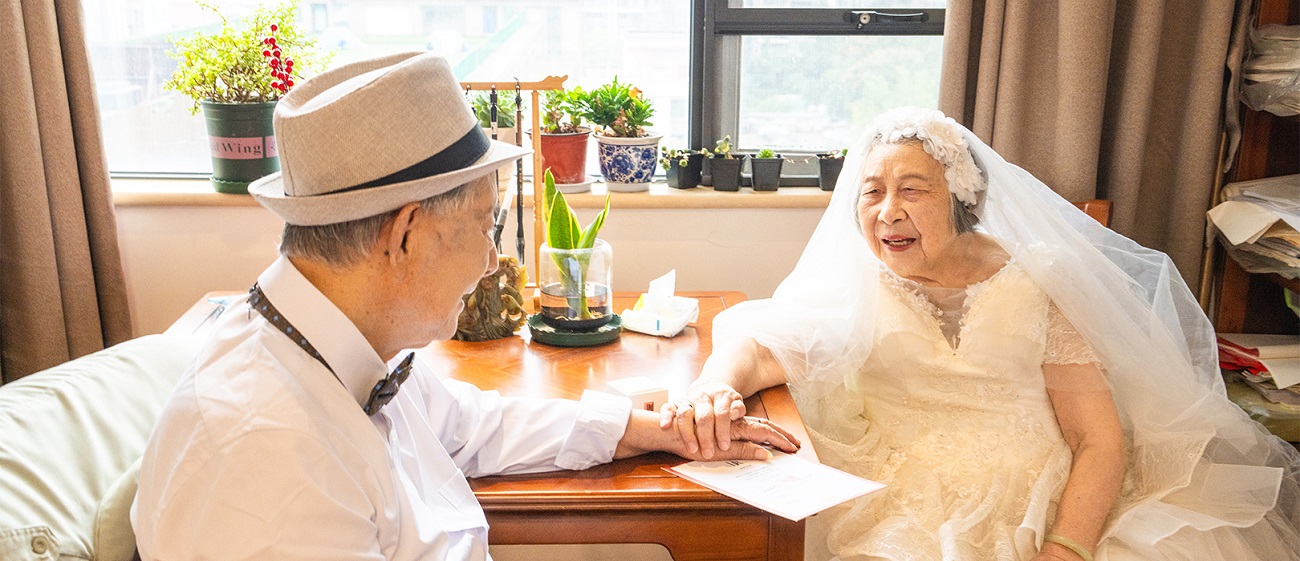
pixel 575 267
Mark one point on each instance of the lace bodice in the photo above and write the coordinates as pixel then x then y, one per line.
pixel 1065 345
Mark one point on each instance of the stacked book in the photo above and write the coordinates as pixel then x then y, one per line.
pixel 1268 363
pixel 1259 220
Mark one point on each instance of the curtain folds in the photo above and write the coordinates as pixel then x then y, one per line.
pixel 1100 99
pixel 62 290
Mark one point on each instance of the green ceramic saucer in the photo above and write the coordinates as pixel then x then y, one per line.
pixel 543 333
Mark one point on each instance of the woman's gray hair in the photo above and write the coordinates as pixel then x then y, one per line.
pixel 963 217
pixel 345 244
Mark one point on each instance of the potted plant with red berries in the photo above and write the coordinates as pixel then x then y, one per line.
pixel 236 75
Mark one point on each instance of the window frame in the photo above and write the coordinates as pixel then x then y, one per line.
pixel 713 96
pixel 717 27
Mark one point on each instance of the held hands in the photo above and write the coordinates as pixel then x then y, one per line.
pixel 712 416
pixel 748 435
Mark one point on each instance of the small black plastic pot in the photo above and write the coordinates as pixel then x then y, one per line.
pixel 828 172
pixel 726 173
pixel 766 172
pixel 687 177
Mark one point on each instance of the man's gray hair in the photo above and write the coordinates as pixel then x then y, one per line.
pixel 345 244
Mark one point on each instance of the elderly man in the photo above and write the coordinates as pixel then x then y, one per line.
pixel 289 437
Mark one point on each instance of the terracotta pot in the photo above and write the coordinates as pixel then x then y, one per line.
pixel 565 154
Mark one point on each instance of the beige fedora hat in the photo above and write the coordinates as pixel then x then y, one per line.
pixel 371 136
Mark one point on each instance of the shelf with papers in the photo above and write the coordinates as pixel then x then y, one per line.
pixel 1249 302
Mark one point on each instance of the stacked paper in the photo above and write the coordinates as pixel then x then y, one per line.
pixel 1260 219
pixel 787 486
pixel 1268 363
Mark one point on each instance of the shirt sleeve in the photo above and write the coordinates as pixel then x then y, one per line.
pixel 268 494
pixel 1065 345
pixel 487 434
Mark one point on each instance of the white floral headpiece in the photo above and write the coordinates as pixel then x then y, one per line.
pixel 941 138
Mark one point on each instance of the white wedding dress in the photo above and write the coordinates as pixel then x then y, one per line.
pixel 952 413
pixel 939 393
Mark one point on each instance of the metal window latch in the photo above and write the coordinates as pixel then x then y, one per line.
pixel 864 17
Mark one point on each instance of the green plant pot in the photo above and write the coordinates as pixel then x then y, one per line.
pixel 766 173
pixel 242 142
pixel 828 172
pixel 688 176
pixel 726 173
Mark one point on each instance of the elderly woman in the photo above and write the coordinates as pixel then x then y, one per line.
pixel 1029 384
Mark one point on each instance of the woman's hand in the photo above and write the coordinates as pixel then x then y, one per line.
pixel 705 418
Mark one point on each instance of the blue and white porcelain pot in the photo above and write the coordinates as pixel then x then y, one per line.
pixel 628 164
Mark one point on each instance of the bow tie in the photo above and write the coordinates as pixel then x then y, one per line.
pixel 383 391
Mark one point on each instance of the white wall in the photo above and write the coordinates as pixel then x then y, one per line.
pixel 175 254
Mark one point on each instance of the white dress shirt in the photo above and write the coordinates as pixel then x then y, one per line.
pixel 261 453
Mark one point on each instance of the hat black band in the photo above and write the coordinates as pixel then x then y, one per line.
pixel 458 156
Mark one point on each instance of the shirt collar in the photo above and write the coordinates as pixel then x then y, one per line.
pixel 337 339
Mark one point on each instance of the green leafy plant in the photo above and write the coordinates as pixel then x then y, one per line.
pixel 766 153
pixel 482 103
pixel 619 110
pixel 722 149
pixel 257 62
pixel 559 106
pixel 833 154
pixel 563 232
pixel 667 155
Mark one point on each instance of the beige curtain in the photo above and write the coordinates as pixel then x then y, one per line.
pixel 1104 99
pixel 62 292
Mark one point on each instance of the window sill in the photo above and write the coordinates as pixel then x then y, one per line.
pixel 198 192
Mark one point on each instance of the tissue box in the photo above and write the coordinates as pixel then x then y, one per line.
pixel 664 316
pixel 644 392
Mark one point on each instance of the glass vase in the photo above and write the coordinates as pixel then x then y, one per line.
pixel 575 286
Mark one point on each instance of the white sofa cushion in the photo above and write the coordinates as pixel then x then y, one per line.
pixel 69 434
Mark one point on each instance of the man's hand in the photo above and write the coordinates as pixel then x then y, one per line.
pixel 747 435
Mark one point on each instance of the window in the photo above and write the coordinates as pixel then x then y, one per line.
pixel 767 83
pixel 802 76
pixel 150 131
